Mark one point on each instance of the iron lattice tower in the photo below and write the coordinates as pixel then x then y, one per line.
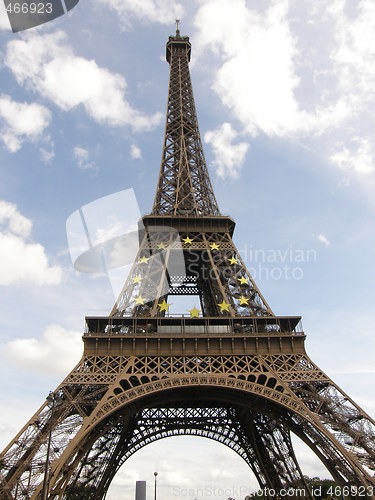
pixel 235 373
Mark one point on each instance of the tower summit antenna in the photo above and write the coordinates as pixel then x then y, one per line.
pixel 177 27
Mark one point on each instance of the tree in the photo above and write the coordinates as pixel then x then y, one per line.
pixel 80 492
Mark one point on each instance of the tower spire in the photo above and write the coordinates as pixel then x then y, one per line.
pixel 184 186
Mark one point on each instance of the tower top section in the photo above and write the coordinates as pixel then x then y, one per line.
pixel 178 43
pixel 184 187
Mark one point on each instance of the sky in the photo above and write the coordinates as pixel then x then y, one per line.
pixel 285 94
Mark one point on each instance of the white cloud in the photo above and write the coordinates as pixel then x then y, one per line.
pixel 12 221
pixel 358 155
pixel 151 11
pixel 354 62
pixel 229 157
pixel 20 121
pixel 256 79
pixel 305 74
pixel 57 352
pixel 355 50
pixel 22 261
pixel 47 152
pixel 186 475
pixel 46 64
pixel 323 239
pixel 135 152
pixel 113 230
pixel 82 157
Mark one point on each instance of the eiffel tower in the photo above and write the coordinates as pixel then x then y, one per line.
pixel 231 371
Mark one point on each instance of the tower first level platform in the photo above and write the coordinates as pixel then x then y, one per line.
pixel 185 336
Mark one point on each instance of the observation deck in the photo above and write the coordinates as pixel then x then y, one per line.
pixel 179 336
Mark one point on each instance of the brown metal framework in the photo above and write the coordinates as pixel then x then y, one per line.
pixel 235 373
pixel 184 187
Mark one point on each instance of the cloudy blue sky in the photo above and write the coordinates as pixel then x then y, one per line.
pixel 285 92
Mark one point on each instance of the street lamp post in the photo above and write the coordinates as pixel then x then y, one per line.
pixel 52 398
pixel 155 475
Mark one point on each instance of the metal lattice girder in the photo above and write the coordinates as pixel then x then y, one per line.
pixel 227 425
pixel 184 186
pixel 209 266
pixel 184 201
pixel 96 420
pixel 237 374
pixel 23 460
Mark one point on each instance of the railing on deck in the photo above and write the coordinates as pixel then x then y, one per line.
pixel 180 326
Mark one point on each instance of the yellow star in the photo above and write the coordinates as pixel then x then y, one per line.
pixel 214 246
pixel 162 246
pixel 144 260
pixel 224 306
pixel 232 261
pixel 194 313
pixel 244 301
pixel 187 240
pixel 139 300
pixel 243 280
pixel 164 306
pixel 137 279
